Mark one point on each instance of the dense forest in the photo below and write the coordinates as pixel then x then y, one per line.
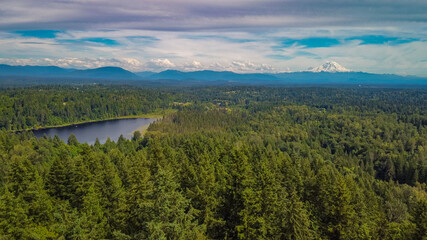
pixel 52 105
pixel 26 108
pixel 228 163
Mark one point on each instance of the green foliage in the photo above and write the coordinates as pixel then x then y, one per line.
pixel 233 163
pixel 13 218
pixel 421 219
pixel 72 140
pixel 51 105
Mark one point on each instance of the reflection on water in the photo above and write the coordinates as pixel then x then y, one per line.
pixel 88 132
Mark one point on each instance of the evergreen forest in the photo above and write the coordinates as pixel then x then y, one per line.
pixel 222 163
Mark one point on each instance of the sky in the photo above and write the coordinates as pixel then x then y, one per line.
pixel 377 36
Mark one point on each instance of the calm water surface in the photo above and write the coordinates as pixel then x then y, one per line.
pixel 88 132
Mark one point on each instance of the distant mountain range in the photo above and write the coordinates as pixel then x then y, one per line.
pixel 7 70
pixel 104 72
pixel 330 73
pixel 52 71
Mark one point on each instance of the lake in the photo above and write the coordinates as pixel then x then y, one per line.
pixel 88 132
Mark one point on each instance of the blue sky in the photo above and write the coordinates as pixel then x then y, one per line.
pixel 379 36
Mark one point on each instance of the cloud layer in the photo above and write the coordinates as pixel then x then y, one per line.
pixel 382 36
pixel 186 15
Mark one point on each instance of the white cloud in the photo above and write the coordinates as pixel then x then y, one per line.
pixel 159 64
pixel 220 35
pixel 139 50
pixel 239 66
pixel 193 66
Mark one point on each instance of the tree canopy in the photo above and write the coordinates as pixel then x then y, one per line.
pixel 230 163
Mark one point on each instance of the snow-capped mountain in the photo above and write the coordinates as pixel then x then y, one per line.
pixel 329 66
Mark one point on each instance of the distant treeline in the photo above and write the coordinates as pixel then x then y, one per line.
pixel 24 108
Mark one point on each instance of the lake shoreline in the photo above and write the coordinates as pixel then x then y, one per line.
pixel 143 128
pixel 149 115
pixel 102 130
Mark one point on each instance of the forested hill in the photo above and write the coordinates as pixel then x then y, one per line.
pixel 230 163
